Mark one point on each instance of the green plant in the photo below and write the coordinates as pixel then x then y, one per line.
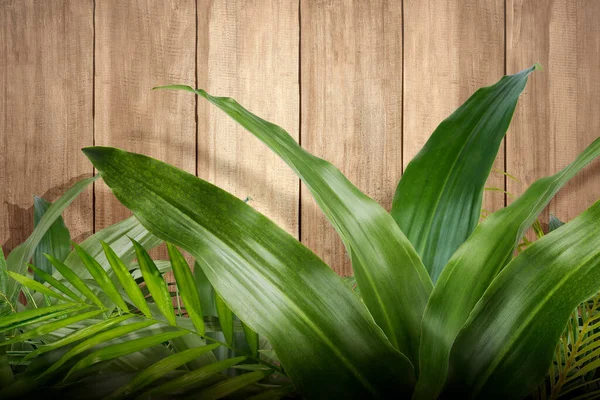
pixel 445 308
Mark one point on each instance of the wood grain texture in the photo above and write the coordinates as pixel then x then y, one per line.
pixel 451 49
pixel 558 114
pixel 46 63
pixel 351 53
pixel 248 50
pixel 141 44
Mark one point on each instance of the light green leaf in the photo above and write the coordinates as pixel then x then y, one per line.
pixel 251 339
pixel 56 241
pixel 18 258
pixel 187 287
pixel 94 341
pixel 230 386
pixel 53 326
pixel 121 349
pixel 193 378
pixel 46 277
pixel 35 285
pixel 131 287
pixel 101 277
pixel 78 335
pixel 321 331
pixel 155 282
pixel 506 346
pixel 473 267
pixel 161 368
pixel 35 315
pixel 438 200
pixel 74 280
pixel 393 282
pixel 205 291
pixel 225 318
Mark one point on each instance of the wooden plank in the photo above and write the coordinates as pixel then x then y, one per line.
pixel 558 114
pixel 351 55
pixel 451 49
pixel 248 50
pixel 46 64
pixel 141 44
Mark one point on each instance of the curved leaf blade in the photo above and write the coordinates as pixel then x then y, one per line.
pixel 131 288
pixel 56 241
pixel 232 385
pixel 393 282
pixel 46 277
pixel 473 267
pixel 161 368
pixel 74 280
pixel 27 317
pixel 322 332
pixel 438 208
pixel 187 287
pixel 35 285
pixel 225 318
pixel 507 344
pixel 155 282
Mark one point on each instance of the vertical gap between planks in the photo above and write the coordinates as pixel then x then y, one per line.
pixel 402 19
pixel 196 87
pixel 94 111
pixel 300 114
pixel 505 140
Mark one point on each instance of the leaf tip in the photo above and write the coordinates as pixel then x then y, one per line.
pixel 538 67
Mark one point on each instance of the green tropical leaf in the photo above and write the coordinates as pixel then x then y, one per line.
pixel 230 386
pixel 508 342
pixel 23 318
pixel 56 241
pixel 20 255
pixel 438 208
pixel 187 287
pixel 46 277
pixel 161 368
pixel 393 282
pixel 155 282
pixel 554 223
pixel 225 318
pixel 131 287
pixel 251 339
pixel 321 331
pixel 473 267
pixel 74 280
pixel 192 378
pixel 205 291
pixel 35 285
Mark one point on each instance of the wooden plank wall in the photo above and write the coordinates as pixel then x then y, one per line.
pixel 360 83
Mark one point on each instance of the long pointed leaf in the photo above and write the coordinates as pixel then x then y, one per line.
pixel 187 287
pixel 393 282
pixel 74 280
pixel 155 282
pixel 438 208
pixel 101 277
pixel 131 287
pixel 473 267
pixel 35 285
pixel 56 241
pixel 161 368
pixel 322 332
pixel 27 317
pixel 46 277
pixel 18 258
pixel 232 385
pixel 506 346
pixel 225 318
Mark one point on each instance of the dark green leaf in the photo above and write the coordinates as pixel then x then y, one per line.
pixel 205 291
pixel 56 241
pixel 506 346
pixel 27 317
pixel 323 334
pixel 251 339
pixel 225 318
pixel 230 386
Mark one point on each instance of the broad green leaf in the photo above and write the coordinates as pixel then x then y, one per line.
pixel 46 277
pixel 131 287
pixel 323 334
pixel 118 350
pixel 193 378
pixel 161 368
pixel 230 386
pixel 473 267
pixel 35 285
pixel 187 287
pixel 225 318
pixel 18 258
pixel 53 326
pixel 155 282
pixel 251 339
pixel 554 223
pixel 79 334
pixel 35 315
pixel 74 280
pixel 506 346
pixel 101 277
pixel 393 282
pixel 94 341
pixel 438 200
pixel 56 241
